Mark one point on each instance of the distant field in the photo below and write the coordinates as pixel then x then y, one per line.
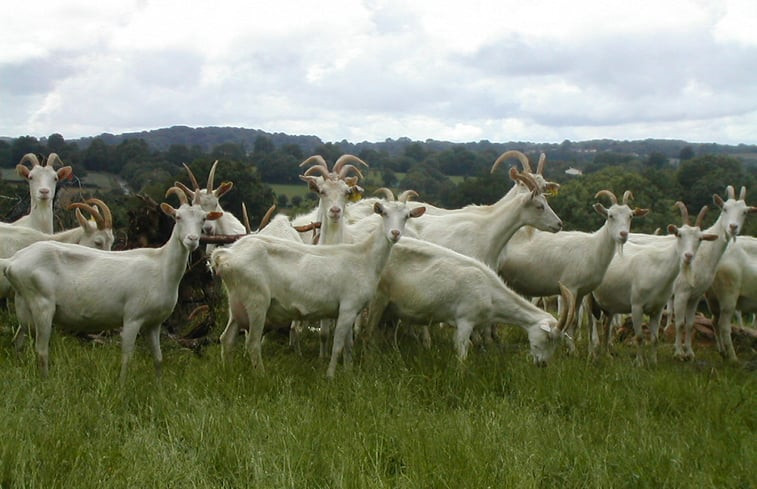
pixel 290 190
pixel 102 180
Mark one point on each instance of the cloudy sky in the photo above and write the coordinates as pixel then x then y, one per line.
pixel 502 70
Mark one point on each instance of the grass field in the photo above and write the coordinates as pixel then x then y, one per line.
pixel 407 418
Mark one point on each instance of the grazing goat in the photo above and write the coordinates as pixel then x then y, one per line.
pixel 42 178
pixel 688 290
pixel 97 234
pixel 734 288
pixel 268 278
pixel 640 281
pixel 423 282
pixel 89 290
pixel 208 199
pixel 536 263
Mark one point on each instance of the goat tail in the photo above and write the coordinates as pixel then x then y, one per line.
pixel 218 261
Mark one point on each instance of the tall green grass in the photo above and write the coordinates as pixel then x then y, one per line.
pixel 407 417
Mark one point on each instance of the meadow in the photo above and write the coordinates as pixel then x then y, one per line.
pixel 402 417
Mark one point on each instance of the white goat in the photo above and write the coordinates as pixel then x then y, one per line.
pixel 208 199
pixel 734 288
pixel 536 263
pixel 272 279
pixel 42 178
pixel 335 188
pixel 481 231
pixel 84 289
pixel 640 281
pixel 423 282
pixel 688 290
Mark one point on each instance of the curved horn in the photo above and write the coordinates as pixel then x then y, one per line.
pixel 317 159
pixel 91 210
pixel 607 194
pixel 742 193
pixel 407 195
pixel 211 176
pixel 388 194
pixel 700 216
pixel 52 158
pixel 540 166
pixel 345 158
pixel 344 171
pixel 684 211
pixel 730 192
pixel 317 169
pixel 192 195
pixel 192 178
pixel 527 179
pixel 107 216
pixel 627 195
pixel 179 193
pixel 513 153
pixel 246 219
pixel 267 217
pixel 569 310
pixel 30 157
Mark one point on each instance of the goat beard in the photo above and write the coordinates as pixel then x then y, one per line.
pixel 619 249
pixel 687 274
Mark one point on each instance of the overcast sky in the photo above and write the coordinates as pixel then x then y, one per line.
pixel 530 70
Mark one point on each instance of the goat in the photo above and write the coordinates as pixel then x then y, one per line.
pixel 42 178
pixel 84 289
pixel 482 231
pixel 424 282
pixel 687 293
pixel 536 263
pixel 267 278
pixel 208 199
pixel 97 234
pixel 640 281
pixel 334 188
pixel 734 288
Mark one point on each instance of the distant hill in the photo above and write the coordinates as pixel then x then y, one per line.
pixel 209 137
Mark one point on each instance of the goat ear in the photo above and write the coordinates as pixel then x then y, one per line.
pixel 312 184
pixel 638 212
pixel 672 229
pixel 379 209
pixel 167 209
pixel 718 200
pixel 213 215
pixel 752 209
pixel 355 193
pixel 709 237
pixel 65 173
pixel 222 189
pixel 417 212
pixel 600 209
pixel 22 171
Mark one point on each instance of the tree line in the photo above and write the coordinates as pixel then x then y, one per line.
pixel 451 175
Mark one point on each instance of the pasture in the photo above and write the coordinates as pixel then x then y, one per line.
pixel 406 417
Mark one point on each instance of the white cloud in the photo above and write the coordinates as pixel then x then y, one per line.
pixel 342 69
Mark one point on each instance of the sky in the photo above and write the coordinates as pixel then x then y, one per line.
pixel 501 70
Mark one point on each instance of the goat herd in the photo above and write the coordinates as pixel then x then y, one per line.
pixel 469 268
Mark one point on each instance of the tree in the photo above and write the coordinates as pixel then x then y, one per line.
pixel 656 160
pixel 21 146
pixel 263 145
pixel 56 143
pixel 96 158
pixel 687 153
